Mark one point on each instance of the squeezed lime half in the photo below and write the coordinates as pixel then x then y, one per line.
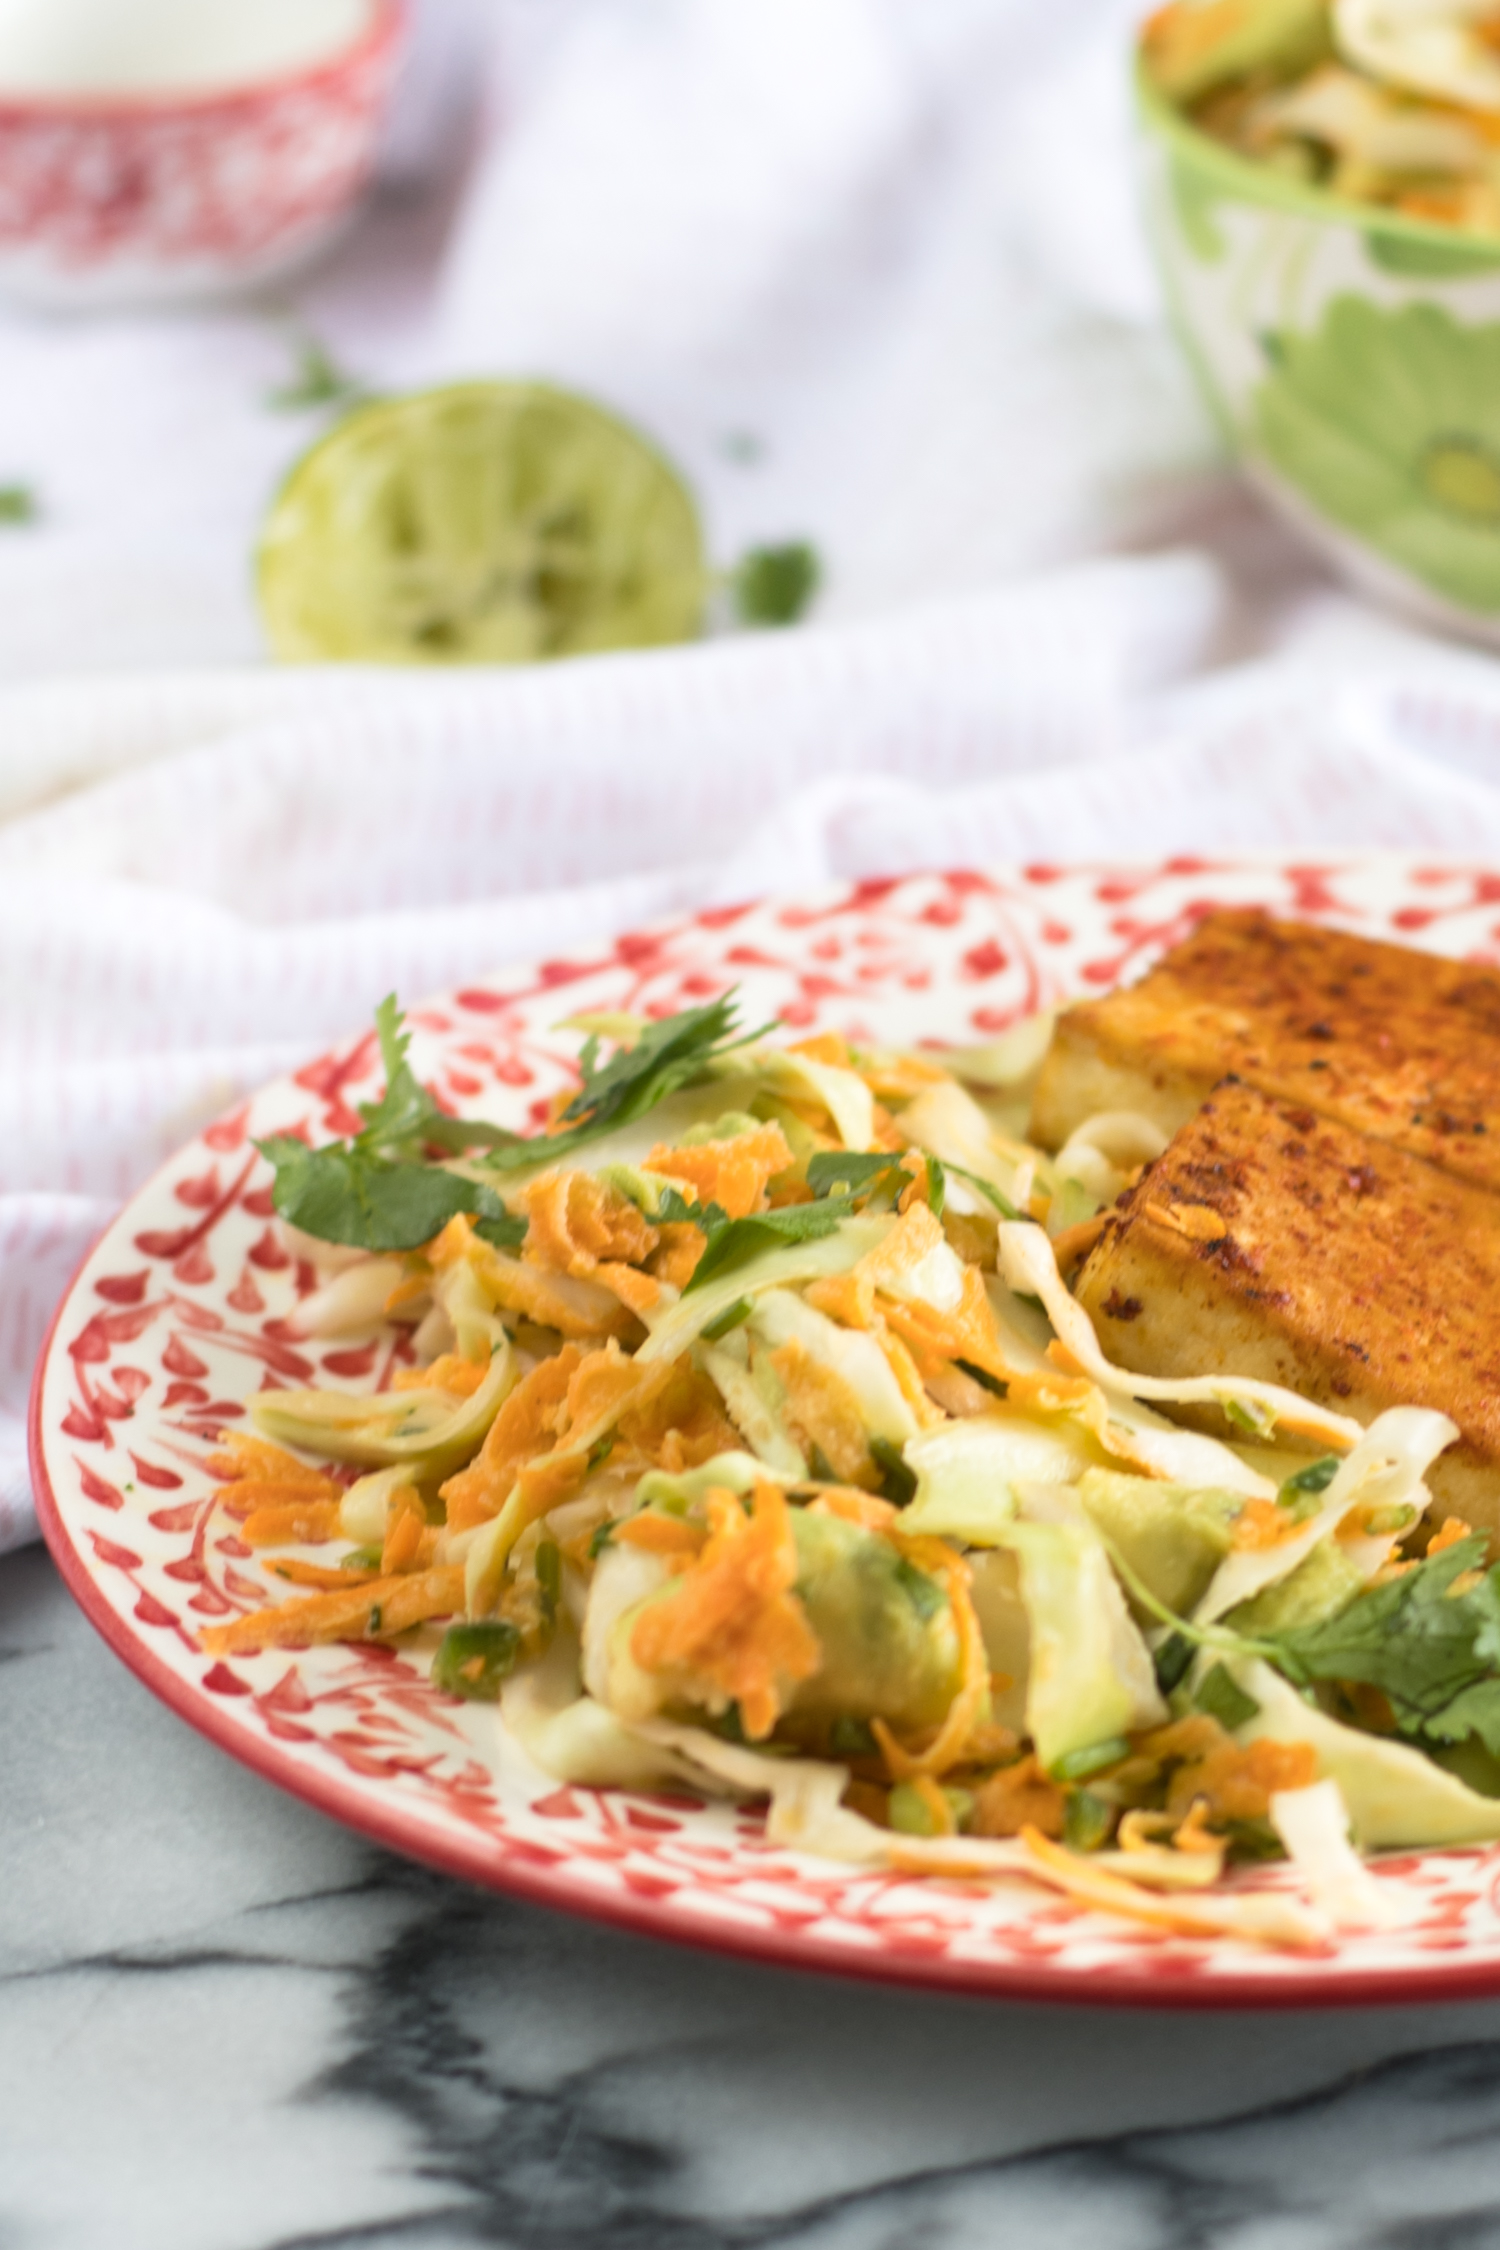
pixel 485 523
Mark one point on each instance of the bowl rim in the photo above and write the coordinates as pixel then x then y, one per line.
pixel 1257 183
pixel 385 21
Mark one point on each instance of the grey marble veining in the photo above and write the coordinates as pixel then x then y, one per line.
pixel 225 2024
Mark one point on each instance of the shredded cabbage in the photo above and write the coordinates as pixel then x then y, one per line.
pixel 1385 1469
pixel 1395 1796
pixel 1091 1677
pixel 1029 1264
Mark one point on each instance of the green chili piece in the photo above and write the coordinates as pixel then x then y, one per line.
pixel 474 1659
pixel 910 1815
pixel 1088 1822
pixel 1092 1758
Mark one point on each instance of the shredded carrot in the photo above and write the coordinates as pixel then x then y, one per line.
pixel 731 1173
pixel 848 1298
pixel 251 1460
pixel 860 1508
pixel 732 1623
pixel 640 1292
pixel 578 1223
pixel 657 1534
pixel 576 1305
pixel 281 1500
pixel 299 1573
pixel 1019 1796
pixel 824 1412
pixel 1453 1530
pixel 527 1424
pixel 292 1523
pixel 1236 1781
pixel 682 1246
pixel 938 1809
pixel 967 1333
pixel 1261 1524
pixel 829 1047
pixel 683 1425
pixel 461 1378
pixel 380 1608
pixel 405 1524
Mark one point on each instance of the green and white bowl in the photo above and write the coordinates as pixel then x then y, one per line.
pixel 1352 358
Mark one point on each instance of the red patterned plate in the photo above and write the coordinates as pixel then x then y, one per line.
pixel 178 1315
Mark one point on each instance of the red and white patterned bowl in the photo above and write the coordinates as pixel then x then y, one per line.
pixel 107 201
pixel 178 1315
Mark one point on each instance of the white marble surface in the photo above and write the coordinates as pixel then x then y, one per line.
pixel 225 2024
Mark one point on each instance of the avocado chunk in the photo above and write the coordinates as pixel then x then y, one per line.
pixel 1323 1583
pixel 1172 1537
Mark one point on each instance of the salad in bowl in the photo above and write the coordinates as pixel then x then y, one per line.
pixel 1322 183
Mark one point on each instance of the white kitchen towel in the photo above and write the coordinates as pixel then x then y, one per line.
pixel 237 888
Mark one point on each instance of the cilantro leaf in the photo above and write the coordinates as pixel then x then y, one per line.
pixel 1432 1652
pixel 346 1193
pixel 379 1191
pixel 853 1171
pixel 667 1056
pixel 737 1241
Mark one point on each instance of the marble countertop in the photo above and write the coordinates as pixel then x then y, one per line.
pixel 226 2024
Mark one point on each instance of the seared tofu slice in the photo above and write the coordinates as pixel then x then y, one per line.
pixel 1399 1044
pixel 1268 1241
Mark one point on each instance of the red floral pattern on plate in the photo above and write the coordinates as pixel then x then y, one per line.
pixel 178 1313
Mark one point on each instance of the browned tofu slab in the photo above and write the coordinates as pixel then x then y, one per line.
pixel 1399 1044
pixel 1270 1242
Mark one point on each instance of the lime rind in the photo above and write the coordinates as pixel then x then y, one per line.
pixel 481 523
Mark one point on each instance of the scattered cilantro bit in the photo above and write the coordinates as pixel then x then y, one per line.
pixel 604 1534
pixel 1427 1641
pixel 601 1449
pixel 982 1376
pixel 729 1726
pixel 733 1316
pixel 852 1738
pixel 361 1558
pixel 1092 1758
pixel 317 381
pixel 473 1660
pixel 898 1483
pixel 1173 1660
pixel 773 585
pixel 1088 1821
pixel 937 1185
pixel 1220 1697
pixel 549 1577
pixel 18 504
